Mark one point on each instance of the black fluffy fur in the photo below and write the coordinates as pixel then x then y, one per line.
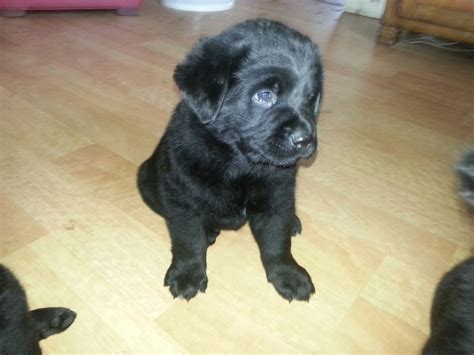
pixel 452 313
pixel 21 329
pixel 225 159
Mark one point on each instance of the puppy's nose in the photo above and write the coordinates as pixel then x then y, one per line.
pixel 301 139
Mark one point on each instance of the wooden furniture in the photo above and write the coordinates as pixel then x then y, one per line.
pixel 448 19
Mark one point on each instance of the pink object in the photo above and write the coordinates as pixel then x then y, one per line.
pixel 18 7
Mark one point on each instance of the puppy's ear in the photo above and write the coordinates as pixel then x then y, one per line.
pixel 49 321
pixel 206 74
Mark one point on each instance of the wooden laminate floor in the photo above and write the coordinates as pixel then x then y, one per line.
pixel 85 97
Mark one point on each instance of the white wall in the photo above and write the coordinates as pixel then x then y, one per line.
pixel 370 8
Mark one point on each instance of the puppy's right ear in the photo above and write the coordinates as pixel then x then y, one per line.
pixel 53 320
pixel 205 74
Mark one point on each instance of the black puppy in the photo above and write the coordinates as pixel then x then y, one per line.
pixel 452 313
pixel 251 98
pixel 21 329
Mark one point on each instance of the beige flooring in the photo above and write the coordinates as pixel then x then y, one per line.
pixel 84 98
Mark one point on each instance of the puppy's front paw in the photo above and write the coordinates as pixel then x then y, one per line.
pixel 291 281
pixel 186 281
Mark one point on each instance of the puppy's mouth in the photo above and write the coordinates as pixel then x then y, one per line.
pixel 281 154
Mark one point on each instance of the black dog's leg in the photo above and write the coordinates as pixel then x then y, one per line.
pixel 187 272
pixel 273 235
pixel 297 229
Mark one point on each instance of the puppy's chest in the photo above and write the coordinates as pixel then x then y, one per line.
pixel 234 205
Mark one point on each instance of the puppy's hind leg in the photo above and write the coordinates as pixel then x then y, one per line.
pixel 187 272
pixel 147 181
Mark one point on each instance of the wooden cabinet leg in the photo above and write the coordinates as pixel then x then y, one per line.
pixel 387 35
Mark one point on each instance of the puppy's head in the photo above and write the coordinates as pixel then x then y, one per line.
pixel 258 86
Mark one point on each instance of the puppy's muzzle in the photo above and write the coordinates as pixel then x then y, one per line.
pixel 301 138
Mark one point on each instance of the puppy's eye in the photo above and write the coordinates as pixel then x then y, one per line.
pixel 265 97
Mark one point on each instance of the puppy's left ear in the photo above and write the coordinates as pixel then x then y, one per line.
pixel 206 74
pixel 53 320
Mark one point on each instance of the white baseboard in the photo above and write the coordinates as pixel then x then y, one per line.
pixel 369 8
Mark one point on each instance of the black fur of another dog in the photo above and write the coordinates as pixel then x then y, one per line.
pixel 452 313
pixel 21 329
pixel 251 98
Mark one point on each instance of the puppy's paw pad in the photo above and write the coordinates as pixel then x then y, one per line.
pixel 186 283
pixel 292 282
